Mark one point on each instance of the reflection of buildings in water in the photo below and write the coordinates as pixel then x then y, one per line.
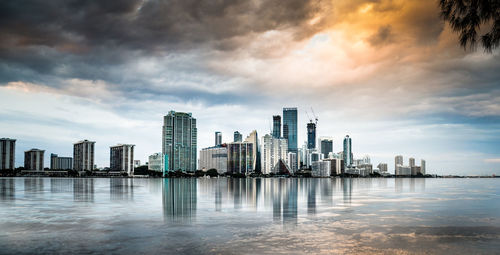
pixel 326 190
pixel 33 186
pixel 276 198
pixel 179 199
pixel 409 184
pixel 398 185
pixel 7 189
pixel 218 195
pixel 61 185
pixel 311 196
pixel 83 189
pixel 412 184
pixel 258 188
pixel 420 182
pixel 290 201
pixel 382 182
pixel 284 194
pixel 121 188
pixel 347 189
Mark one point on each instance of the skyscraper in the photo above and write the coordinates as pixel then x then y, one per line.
pixel 273 150
pixel 254 139
pixel 83 155
pixel 218 138
pixel 33 159
pixel 7 153
pixel 290 128
pixel 121 158
pixel 239 158
pixel 326 146
pixel 411 161
pixel 347 153
pixel 311 135
pixel 276 126
pixel 422 166
pixel 292 161
pixel 179 140
pixel 238 137
pixel 398 163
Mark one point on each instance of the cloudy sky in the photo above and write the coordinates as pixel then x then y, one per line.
pixel 389 73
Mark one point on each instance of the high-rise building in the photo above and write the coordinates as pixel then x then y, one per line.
pixel 218 138
pixel 273 150
pixel 7 153
pixel 179 141
pixel 83 155
pixel 311 135
pixel 240 158
pixel 254 140
pixel 382 167
pixel 398 163
pixel 277 126
pixel 238 137
pixel 57 162
pixel 326 145
pixel 121 158
pixel 290 128
pixel 422 166
pixel 411 161
pixel 292 161
pixel 347 153
pixel 33 159
pixel 214 158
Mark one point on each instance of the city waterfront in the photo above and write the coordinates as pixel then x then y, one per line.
pixel 249 216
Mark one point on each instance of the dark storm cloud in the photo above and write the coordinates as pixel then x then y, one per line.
pixel 49 41
pixel 384 35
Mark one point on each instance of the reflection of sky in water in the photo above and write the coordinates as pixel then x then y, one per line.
pixel 61 215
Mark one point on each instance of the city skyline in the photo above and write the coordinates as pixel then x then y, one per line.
pixel 391 74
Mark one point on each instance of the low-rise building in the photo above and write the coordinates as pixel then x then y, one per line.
pixel 214 158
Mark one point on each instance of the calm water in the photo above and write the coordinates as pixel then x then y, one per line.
pixel 241 216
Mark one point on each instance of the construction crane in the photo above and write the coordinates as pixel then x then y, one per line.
pixel 315 117
pixel 310 120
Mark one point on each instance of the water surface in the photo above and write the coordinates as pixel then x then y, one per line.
pixel 249 216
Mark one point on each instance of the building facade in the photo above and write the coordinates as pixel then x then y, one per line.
pixel 347 153
pixel 277 126
pixel 411 162
pixel 326 146
pixel 179 141
pixel 214 158
pixel 382 167
pixel 240 158
pixel 121 158
pixel 218 138
pixel 83 155
pixel 422 166
pixel 311 135
pixel 290 128
pixel 33 159
pixel 292 161
pixel 57 162
pixel 321 168
pixel 156 162
pixel 254 140
pixel 273 150
pixel 238 137
pixel 398 162
pixel 7 153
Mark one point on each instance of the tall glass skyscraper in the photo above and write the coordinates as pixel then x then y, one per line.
pixel 179 140
pixel 290 128
pixel 276 126
pixel 347 151
pixel 311 135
